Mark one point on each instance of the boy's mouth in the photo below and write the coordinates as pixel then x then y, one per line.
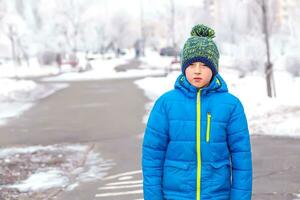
pixel 197 79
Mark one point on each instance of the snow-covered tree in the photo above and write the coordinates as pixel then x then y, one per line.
pixel 14 28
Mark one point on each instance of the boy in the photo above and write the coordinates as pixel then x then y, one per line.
pixel 196 143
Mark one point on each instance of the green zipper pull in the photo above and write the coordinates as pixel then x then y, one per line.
pixel 208 127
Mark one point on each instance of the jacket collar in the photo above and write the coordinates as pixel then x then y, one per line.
pixel 217 84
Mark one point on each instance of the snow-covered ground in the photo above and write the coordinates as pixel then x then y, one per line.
pixel 105 69
pixel 278 116
pixel 17 96
pixel 34 170
pixel 9 70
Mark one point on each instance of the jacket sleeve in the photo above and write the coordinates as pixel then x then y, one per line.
pixel 154 148
pixel 240 150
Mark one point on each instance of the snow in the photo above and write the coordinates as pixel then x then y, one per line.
pixel 105 69
pixel 154 87
pixel 7 152
pixel 7 87
pixel 17 96
pixel 269 116
pixel 96 168
pixel 298 197
pixel 155 61
pixel 278 116
pixel 9 110
pixel 34 69
pixel 75 163
pixel 42 181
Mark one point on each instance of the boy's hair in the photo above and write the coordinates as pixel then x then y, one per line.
pixel 200 48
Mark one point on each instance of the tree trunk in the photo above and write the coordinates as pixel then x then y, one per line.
pixel 13 45
pixel 269 66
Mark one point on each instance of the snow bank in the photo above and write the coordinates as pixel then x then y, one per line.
pixel 34 69
pixel 105 69
pixel 17 96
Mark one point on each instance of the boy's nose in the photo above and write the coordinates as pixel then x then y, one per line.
pixel 197 70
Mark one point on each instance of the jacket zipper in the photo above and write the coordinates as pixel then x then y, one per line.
pixel 198 144
pixel 208 127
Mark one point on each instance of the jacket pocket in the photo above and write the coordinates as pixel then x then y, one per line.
pixel 176 164
pixel 208 127
pixel 219 164
pixel 176 176
pixel 220 177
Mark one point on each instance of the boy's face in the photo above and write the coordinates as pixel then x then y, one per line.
pixel 198 74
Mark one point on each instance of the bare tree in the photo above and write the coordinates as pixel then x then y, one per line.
pixel 101 37
pixel 168 14
pixel 124 32
pixel 71 21
pixel 12 35
pixel 23 51
pixel 13 26
pixel 36 15
pixel 266 23
pixel 9 30
pixel 171 22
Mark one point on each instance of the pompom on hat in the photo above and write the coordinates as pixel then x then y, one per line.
pixel 200 47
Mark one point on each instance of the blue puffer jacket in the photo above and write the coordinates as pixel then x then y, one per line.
pixel 177 166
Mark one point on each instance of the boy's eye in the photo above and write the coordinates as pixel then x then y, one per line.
pixel 200 65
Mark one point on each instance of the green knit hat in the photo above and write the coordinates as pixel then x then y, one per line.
pixel 200 48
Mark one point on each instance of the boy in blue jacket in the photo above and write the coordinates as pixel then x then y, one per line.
pixel 196 143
